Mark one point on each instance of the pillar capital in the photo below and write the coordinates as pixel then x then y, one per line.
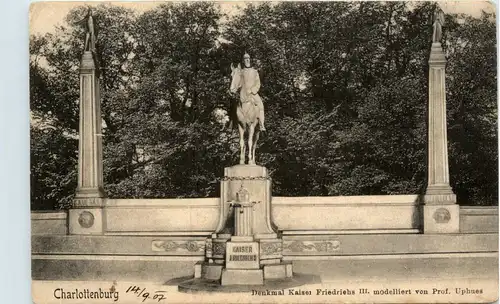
pixel 87 64
pixel 437 57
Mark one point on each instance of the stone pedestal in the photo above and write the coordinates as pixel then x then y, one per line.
pixel 86 214
pixel 256 182
pixel 441 218
pixel 86 221
pixel 440 210
pixel 244 249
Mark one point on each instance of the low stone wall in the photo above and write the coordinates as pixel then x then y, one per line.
pixel 478 219
pixel 347 214
pixel 292 216
pixel 160 240
pixel 165 216
pixel 397 213
pixel 49 223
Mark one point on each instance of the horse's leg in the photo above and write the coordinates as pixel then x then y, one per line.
pixel 242 144
pixel 251 130
pixel 256 139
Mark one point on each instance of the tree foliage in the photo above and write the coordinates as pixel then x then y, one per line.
pixel 344 87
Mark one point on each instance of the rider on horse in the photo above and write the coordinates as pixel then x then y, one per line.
pixel 250 86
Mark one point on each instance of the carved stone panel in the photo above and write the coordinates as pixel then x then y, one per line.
pixel 441 215
pixel 178 246
pixel 86 219
pixel 311 246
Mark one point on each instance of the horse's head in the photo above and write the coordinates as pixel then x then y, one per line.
pixel 236 77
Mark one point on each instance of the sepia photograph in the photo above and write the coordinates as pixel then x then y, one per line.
pixel 263 152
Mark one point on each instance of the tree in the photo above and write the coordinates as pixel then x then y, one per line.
pixel 472 104
pixel 344 87
pixel 54 95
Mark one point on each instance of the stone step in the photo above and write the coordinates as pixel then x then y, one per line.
pixel 162 269
pixel 242 277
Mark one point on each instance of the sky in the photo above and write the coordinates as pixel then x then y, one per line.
pixel 45 16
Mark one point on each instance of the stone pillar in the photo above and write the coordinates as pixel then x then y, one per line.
pixel 243 220
pixel 86 216
pixel 441 213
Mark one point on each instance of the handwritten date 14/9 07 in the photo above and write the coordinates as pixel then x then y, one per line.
pixel 158 295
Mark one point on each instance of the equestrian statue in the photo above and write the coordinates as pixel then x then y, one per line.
pixel 249 108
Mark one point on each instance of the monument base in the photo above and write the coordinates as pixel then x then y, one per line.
pixel 86 221
pixel 278 271
pixel 442 218
pixel 242 277
pixel 86 215
pixel 209 271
